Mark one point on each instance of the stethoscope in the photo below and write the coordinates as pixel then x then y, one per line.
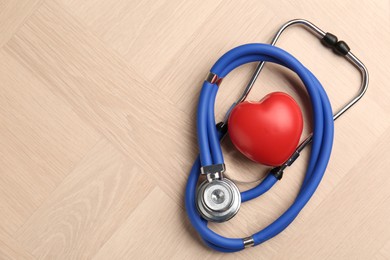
pixel 217 198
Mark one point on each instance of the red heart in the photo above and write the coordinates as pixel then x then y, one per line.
pixel 267 131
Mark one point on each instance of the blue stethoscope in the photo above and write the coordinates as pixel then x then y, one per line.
pixel 217 198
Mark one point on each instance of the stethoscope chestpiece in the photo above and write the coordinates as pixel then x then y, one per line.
pixel 218 199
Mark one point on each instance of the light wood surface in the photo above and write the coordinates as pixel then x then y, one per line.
pixel 98 101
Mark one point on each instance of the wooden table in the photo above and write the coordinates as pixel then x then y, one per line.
pixel 97 137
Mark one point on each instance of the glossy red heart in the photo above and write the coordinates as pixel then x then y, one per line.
pixel 267 131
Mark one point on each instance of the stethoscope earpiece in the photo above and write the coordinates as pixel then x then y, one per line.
pixel 218 199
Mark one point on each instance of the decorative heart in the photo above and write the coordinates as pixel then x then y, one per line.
pixel 267 131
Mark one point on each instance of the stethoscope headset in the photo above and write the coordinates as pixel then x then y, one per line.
pixel 217 198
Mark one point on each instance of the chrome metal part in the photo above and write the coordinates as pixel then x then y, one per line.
pixel 213 168
pixel 248 242
pixel 213 79
pixel 213 172
pixel 218 200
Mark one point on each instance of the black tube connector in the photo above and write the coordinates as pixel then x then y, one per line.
pixel 329 40
pixel 339 47
pixel 222 127
pixel 278 172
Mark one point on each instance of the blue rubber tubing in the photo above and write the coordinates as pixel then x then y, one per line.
pixel 211 153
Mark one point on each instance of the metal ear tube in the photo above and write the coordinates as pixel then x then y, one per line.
pixel 340 48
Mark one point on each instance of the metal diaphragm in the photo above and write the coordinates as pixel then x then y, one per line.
pixel 218 200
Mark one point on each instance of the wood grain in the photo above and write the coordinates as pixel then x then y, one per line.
pixel 41 141
pixel 11 248
pixel 97 125
pixel 147 34
pixel 12 16
pixel 78 217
